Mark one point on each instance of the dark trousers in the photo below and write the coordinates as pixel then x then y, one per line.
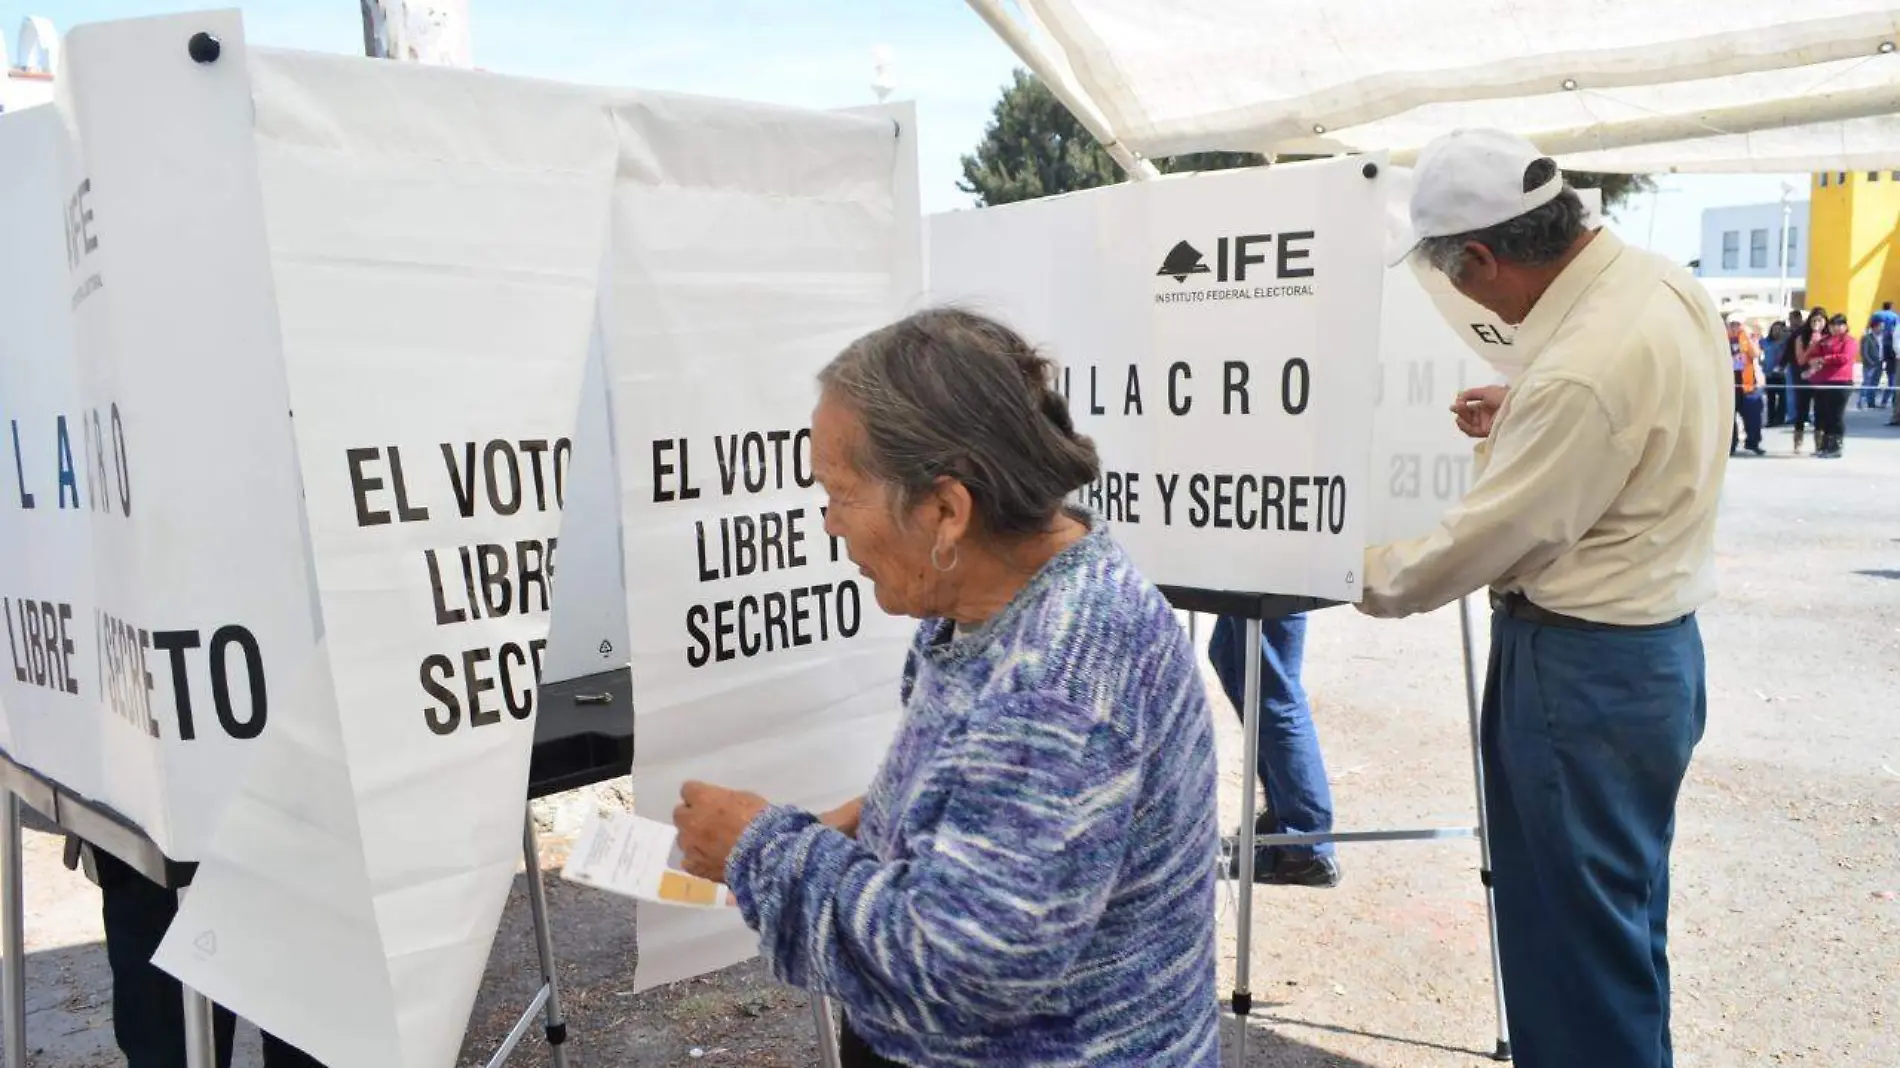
pixel 853 1052
pixel 148 1013
pixel 1291 769
pixel 1748 408
pixel 1586 737
pixel 1777 400
pixel 1830 412
pixel 1803 406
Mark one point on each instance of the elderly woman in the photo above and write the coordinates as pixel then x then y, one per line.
pixel 1030 879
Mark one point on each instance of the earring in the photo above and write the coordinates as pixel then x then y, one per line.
pixel 956 557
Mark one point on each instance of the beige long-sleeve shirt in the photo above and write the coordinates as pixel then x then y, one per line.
pixel 1596 492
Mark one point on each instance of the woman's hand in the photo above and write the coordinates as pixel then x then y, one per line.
pixel 1477 408
pixel 844 818
pixel 710 820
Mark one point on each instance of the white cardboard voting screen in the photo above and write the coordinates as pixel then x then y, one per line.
pixel 1218 341
pixel 156 574
pixel 294 366
pixel 434 369
pixel 744 259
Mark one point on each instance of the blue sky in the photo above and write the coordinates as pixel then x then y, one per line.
pixel 813 53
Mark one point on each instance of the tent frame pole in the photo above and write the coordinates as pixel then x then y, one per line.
pixel 1079 105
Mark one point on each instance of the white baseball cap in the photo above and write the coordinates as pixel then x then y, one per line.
pixel 1471 179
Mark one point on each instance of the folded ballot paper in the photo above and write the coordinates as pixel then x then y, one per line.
pixel 636 857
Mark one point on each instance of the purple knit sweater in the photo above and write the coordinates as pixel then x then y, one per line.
pixel 1033 880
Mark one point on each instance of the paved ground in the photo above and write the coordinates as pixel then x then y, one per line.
pixel 1786 921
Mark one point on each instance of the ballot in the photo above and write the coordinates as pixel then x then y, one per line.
pixel 636 857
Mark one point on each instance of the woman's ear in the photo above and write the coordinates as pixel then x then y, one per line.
pixel 953 509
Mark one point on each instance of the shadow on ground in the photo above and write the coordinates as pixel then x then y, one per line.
pixel 739 1017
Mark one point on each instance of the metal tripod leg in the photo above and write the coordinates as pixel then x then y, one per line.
pixel 13 917
pixel 547 1000
pixel 201 1036
pixel 826 1025
pixel 544 944
pixel 1243 954
pixel 1502 1052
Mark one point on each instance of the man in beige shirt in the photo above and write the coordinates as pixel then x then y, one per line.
pixel 1592 521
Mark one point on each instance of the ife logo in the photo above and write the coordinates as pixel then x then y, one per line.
pixel 1290 252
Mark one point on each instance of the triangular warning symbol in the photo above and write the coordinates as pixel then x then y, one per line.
pixel 206 943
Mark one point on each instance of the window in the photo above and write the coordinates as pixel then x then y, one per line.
pixel 1731 249
pixel 1873 176
pixel 1895 175
pixel 1794 248
pixel 1823 179
pixel 1840 178
pixel 1757 249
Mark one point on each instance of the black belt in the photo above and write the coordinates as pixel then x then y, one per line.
pixel 1517 606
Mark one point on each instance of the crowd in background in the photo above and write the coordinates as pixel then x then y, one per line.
pixel 1806 371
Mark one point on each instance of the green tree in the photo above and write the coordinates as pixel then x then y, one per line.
pixel 1034 147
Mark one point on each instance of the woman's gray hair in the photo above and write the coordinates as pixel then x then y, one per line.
pixel 1539 236
pixel 949 393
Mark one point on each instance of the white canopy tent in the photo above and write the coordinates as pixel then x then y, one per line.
pixel 1638 86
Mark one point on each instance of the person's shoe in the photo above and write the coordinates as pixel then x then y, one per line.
pixel 1318 872
pixel 1800 433
pixel 1263 823
pixel 1758 450
pixel 1274 867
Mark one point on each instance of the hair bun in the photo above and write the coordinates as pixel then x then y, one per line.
pixel 1056 407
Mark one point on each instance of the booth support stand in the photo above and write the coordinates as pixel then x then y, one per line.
pixel 12 912
pixel 1502 1051
pixel 1243 949
pixel 826 1026
pixel 201 1041
pixel 1254 609
pixel 547 1000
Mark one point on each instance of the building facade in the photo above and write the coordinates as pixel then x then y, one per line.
pixel 1856 217
pixel 1749 252
pixel 26 74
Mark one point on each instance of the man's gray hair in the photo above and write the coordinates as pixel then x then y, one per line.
pixel 1539 236
pixel 949 393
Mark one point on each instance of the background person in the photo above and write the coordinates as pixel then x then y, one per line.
pixel 1592 519
pixel 1031 882
pixel 1813 331
pixel 1889 323
pixel 1830 369
pixel 1873 364
pixel 1291 770
pixel 1745 359
pixel 1790 372
pixel 1774 349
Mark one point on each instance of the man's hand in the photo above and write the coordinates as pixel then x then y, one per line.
pixel 710 820
pixel 1477 408
pixel 844 818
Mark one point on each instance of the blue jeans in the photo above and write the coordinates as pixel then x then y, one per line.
pixel 1586 737
pixel 1870 385
pixel 1290 766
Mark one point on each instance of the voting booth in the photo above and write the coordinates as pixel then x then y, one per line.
pixel 1268 395
pixel 352 406
pixel 322 376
